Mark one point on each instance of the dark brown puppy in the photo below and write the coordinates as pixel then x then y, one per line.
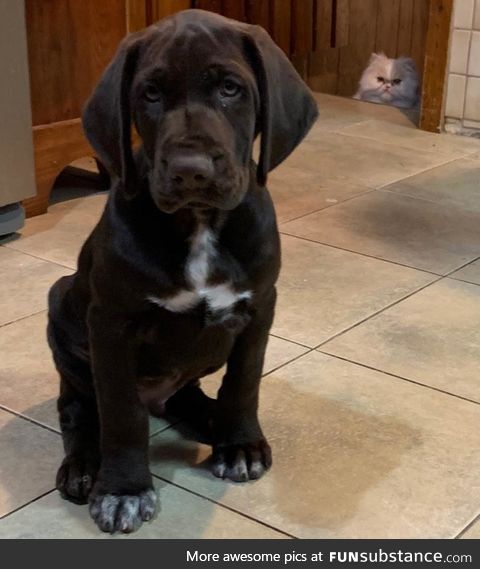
pixel 178 277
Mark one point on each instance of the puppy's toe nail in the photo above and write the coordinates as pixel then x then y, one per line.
pixel 148 505
pixel 256 470
pixel 219 469
pixel 239 471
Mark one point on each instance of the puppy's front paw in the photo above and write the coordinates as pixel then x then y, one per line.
pixel 124 513
pixel 242 462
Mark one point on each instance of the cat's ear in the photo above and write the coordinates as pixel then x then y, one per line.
pixel 376 57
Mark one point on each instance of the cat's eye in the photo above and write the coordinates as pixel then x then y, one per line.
pixel 229 88
pixel 396 81
pixel 381 79
pixel 152 93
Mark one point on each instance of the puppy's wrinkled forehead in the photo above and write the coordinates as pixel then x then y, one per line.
pixel 181 55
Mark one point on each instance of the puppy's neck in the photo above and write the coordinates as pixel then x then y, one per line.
pixel 188 222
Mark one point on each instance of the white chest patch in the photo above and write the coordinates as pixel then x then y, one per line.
pixel 197 270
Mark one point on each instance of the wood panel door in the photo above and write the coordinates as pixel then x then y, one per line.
pixel 70 42
pixel 357 29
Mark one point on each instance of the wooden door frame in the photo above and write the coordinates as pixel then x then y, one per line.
pixel 435 68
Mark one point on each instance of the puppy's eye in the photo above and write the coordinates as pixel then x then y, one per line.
pixel 396 81
pixel 229 88
pixel 152 93
pixel 381 79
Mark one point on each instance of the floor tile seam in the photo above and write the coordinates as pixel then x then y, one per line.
pixel 377 312
pixel 362 193
pixel 224 506
pixel 22 506
pixel 434 152
pixel 399 377
pixel 475 519
pixel 39 258
pixel 10 322
pixel 338 247
pixel 35 422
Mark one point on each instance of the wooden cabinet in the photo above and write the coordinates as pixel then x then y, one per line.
pixel 69 44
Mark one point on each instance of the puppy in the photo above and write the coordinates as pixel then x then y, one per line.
pixel 178 277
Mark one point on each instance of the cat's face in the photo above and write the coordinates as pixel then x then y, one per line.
pixel 391 81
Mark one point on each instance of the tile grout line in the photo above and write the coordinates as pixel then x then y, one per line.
pixel 468 526
pixel 23 317
pixel 448 275
pixel 367 190
pixel 396 376
pixel 383 186
pixel 316 348
pixel 291 341
pixel 39 258
pixel 29 419
pixel 363 254
pixel 309 351
pixel 363 320
pixel 432 151
pixel 462 280
pixel 27 504
pixel 224 506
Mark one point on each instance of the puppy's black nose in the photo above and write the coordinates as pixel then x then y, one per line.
pixel 191 171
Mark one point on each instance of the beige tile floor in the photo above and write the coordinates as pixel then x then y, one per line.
pixel 371 399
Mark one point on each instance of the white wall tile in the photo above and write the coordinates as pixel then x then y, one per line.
pixel 472 99
pixel 459 51
pixel 455 96
pixel 476 18
pixel 474 59
pixel 463 14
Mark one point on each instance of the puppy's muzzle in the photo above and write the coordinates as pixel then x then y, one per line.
pixel 190 172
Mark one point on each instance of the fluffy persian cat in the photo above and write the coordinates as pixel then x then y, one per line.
pixel 389 81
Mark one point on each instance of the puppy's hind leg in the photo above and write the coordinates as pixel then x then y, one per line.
pixel 80 431
pixel 195 408
pixel 76 405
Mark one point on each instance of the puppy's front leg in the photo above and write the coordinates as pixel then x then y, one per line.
pixel 123 495
pixel 240 450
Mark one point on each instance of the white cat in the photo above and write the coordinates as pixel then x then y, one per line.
pixel 389 81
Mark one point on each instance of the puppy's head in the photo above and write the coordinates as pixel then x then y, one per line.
pixel 199 88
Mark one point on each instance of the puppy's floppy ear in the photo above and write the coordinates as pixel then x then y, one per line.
pixel 287 107
pixel 107 116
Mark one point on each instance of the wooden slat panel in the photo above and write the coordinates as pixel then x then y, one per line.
pixel 163 8
pixel 136 15
pixel 302 27
pixel 419 31
pixel 323 70
pixel 387 27
pixel 436 53
pixel 323 25
pixel 234 9
pixel 211 5
pixel 405 24
pixel 69 45
pixel 355 56
pixel 281 25
pixel 258 12
pixel 342 23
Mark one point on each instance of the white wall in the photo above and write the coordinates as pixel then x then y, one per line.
pixel 462 106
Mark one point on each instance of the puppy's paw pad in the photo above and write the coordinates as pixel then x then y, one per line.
pixel 75 479
pixel 242 463
pixel 124 513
